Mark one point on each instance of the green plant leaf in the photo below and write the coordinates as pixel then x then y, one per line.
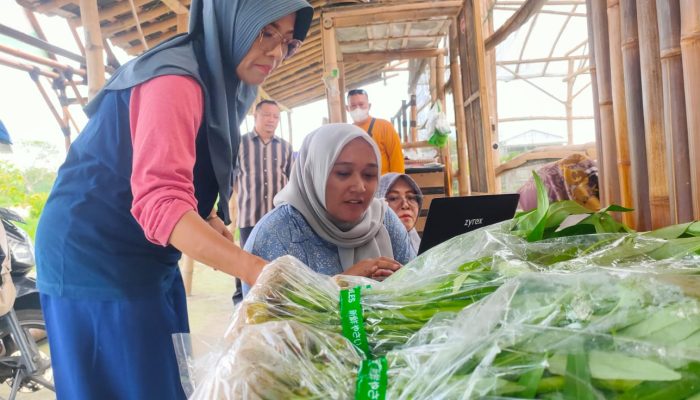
pixel 613 366
pixel 577 381
pixel 669 232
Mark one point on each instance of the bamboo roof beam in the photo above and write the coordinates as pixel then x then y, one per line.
pixel 160 26
pixel 127 23
pixel 41 60
pixel 37 28
pixel 137 23
pixel 391 55
pixel 542 60
pixel 527 40
pixel 527 11
pixel 176 6
pixel 52 5
pixel 26 67
pixel 549 2
pixel 109 13
pixel 556 40
pixel 40 44
pixel 550 12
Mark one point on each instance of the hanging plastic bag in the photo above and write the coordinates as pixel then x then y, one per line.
pixel 438 127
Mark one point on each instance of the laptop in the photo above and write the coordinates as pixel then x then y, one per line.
pixel 452 216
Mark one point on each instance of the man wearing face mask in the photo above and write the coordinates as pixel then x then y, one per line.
pixel 381 130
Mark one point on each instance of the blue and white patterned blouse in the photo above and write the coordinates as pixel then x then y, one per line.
pixel 284 231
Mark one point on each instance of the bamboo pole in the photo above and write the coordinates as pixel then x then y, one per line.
pixel 653 101
pixel 40 60
pixel 330 70
pixel 414 119
pixel 610 188
pixel 342 90
pixel 492 81
pixel 635 114
pixel 289 124
pixel 440 97
pixel 619 109
pixel 460 124
pixel 596 109
pixel 690 48
pixel 569 106
pixel 93 46
pixel 675 122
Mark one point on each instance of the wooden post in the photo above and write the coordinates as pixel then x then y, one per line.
pixel 610 188
pixel 440 97
pixel 342 90
pixel 675 122
pixel 182 23
pixel 569 106
pixel 460 124
pixel 690 49
pixel 653 101
pixel 414 119
pixel 404 121
pixel 331 71
pixel 594 90
pixel 289 123
pixel 617 83
pixel 93 46
pixel 635 114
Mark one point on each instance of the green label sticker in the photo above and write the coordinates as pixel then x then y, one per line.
pixel 351 318
pixel 372 380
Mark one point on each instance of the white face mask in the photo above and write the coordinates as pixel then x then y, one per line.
pixel 359 114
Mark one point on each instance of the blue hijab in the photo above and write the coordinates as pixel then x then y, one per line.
pixel 220 34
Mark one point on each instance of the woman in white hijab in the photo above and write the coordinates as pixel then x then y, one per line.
pixel 327 215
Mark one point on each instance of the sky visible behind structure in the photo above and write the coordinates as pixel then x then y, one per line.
pixel 28 118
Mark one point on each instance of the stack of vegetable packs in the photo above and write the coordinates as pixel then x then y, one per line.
pixel 522 309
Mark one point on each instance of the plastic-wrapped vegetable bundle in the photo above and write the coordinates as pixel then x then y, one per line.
pixel 574 336
pixel 448 278
pixel 280 360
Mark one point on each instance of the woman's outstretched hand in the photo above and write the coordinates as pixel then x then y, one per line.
pixel 376 268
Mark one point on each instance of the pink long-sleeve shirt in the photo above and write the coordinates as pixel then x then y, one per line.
pixel 165 116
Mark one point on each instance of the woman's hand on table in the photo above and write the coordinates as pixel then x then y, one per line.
pixel 376 268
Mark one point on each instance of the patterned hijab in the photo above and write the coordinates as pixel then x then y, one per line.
pixel 306 192
pixel 221 33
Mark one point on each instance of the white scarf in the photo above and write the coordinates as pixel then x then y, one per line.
pixel 306 192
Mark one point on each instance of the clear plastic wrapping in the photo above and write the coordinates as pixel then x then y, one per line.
pixel 592 335
pixel 484 315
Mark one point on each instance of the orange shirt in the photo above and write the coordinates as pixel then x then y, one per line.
pixel 389 144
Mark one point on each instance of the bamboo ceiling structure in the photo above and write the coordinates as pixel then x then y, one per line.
pixel 644 62
pixel 150 22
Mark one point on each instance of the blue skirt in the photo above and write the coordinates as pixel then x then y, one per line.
pixel 119 349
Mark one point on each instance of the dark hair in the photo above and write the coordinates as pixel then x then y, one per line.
pixel 260 104
pixel 354 92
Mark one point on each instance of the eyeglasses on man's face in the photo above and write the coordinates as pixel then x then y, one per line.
pixel 270 38
pixel 397 200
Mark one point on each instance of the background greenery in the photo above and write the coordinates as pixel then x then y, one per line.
pixel 25 189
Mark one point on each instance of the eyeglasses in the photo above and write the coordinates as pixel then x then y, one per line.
pixel 269 39
pixel 354 92
pixel 411 199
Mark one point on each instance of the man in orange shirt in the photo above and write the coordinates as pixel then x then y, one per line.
pixel 381 130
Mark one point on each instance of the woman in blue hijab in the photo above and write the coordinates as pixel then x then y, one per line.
pixel 139 187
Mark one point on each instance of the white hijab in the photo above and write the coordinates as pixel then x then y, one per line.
pixel 306 192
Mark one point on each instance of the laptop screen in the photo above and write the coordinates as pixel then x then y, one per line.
pixel 452 216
